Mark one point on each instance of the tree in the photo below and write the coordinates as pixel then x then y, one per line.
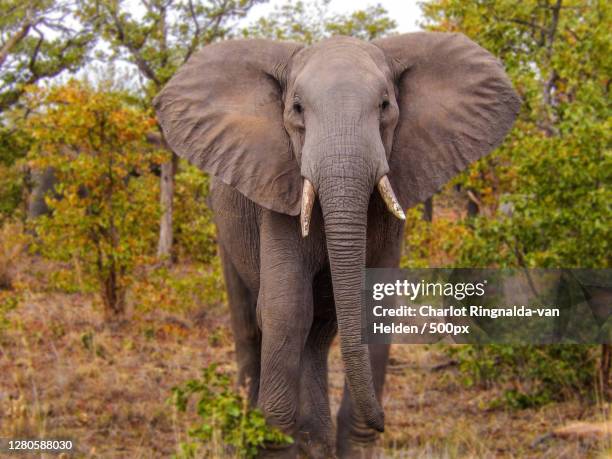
pixel 308 23
pixel 548 187
pixel 104 212
pixel 553 172
pixel 38 39
pixel 157 42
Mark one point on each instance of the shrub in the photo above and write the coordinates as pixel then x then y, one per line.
pixel 195 233
pixel 12 245
pixel 104 214
pixel 11 190
pixel 9 301
pixel 430 244
pixel 14 144
pixel 530 375
pixel 179 289
pixel 225 419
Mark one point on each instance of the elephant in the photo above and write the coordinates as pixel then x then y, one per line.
pixel 314 153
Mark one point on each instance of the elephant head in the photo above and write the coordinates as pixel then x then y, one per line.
pixel 282 123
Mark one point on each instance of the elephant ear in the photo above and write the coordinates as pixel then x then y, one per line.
pixel 222 111
pixel 456 104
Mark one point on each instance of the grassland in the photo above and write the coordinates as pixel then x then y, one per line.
pixel 65 372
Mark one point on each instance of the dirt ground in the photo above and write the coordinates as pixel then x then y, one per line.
pixel 65 373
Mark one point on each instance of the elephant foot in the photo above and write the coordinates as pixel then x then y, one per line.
pixel 289 452
pixel 357 441
pixel 313 447
pixel 354 450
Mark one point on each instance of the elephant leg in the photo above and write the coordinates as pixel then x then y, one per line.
pixel 315 425
pixel 284 311
pixel 247 336
pixel 354 439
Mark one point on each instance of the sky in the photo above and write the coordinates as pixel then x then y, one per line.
pixel 405 12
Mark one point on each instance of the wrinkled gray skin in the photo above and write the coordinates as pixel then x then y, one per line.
pixel 260 116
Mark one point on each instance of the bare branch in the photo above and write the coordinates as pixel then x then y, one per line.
pixel 156 139
pixel 34 57
pixel 553 26
pixel 141 63
pixel 14 41
pixel 194 18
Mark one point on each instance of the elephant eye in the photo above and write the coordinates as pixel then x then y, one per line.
pixel 385 104
pixel 297 107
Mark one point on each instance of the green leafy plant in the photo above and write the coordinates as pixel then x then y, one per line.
pixel 225 418
pixel 11 189
pixel 529 376
pixel 312 21
pixel 104 210
pixel 544 194
pixel 180 289
pixel 195 235
pixel 9 301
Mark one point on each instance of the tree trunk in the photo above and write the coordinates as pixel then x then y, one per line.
pixel 44 182
pixel 604 371
pixel 164 246
pixel 428 210
pixel 113 296
pixel 473 205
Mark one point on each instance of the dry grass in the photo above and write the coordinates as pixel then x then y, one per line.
pixel 12 244
pixel 65 373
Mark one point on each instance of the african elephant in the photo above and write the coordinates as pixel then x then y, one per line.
pixel 297 140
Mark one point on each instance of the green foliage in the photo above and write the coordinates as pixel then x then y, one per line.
pixel 40 39
pixel 195 233
pixel 430 244
pixel 104 215
pixel 14 145
pixel 225 418
pixel 312 21
pixel 181 289
pixel 9 301
pixel 158 36
pixel 14 139
pixel 545 192
pixel 530 375
pixel 368 24
pixel 11 190
pixel 552 173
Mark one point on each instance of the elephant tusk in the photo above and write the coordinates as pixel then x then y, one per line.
pixel 384 187
pixel 308 199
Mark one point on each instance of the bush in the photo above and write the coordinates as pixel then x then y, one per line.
pixel 9 301
pixel 14 144
pixel 430 244
pixel 11 190
pixel 104 212
pixel 179 289
pixel 195 233
pixel 228 425
pixel 12 245
pixel 530 375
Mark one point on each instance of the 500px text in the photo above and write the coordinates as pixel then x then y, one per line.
pixel 426 328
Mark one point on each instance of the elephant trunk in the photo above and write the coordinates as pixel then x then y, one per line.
pixel 344 198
